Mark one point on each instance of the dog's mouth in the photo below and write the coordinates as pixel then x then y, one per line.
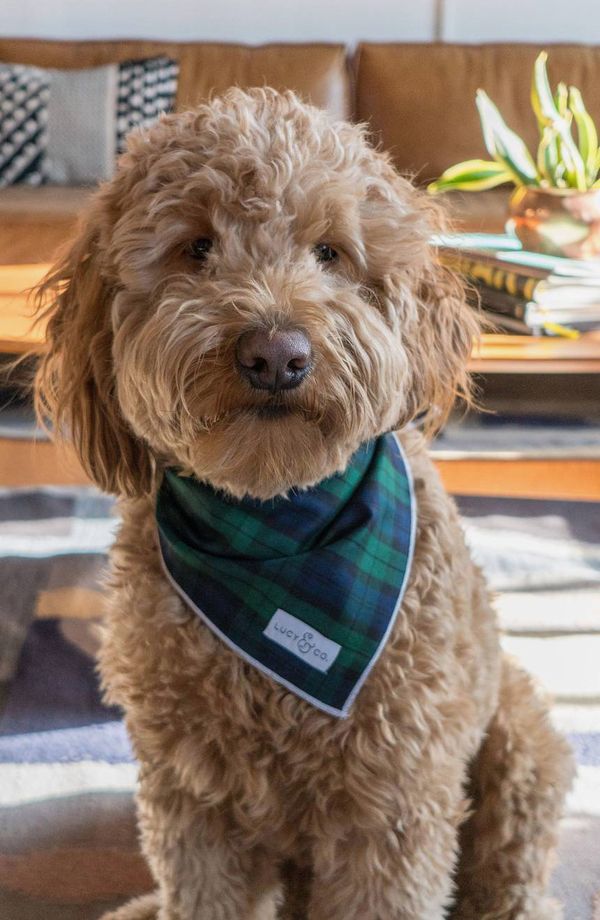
pixel 269 411
pixel 275 410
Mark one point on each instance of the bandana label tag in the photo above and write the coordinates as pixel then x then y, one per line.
pixel 302 640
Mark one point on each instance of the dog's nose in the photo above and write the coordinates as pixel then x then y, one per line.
pixel 274 361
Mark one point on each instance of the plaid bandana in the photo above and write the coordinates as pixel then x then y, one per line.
pixel 305 588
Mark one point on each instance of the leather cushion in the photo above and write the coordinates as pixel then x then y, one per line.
pixel 419 99
pixel 318 72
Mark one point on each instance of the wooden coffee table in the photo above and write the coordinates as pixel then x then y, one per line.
pixel 17 334
pixel 22 462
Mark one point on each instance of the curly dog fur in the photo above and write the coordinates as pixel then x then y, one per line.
pixel 439 796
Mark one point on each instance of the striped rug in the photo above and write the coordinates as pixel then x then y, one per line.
pixel 68 845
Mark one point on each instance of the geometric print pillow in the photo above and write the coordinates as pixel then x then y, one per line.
pixel 66 127
pixel 24 97
pixel 146 89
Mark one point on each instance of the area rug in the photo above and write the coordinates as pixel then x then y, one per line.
pixel 68 844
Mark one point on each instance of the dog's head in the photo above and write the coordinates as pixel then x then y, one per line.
pixel 249 299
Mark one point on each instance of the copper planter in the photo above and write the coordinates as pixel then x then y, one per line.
pixel 559 222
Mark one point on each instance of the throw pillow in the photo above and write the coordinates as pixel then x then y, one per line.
pixel 24 97
pixel 66 126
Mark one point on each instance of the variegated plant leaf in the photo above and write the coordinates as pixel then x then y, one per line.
pixel 471 176
pixel 561 100
pixel 586 133
pixel 574 167
pixel 503 144
pixel 542 99
pixel 548 114
pixel 548 161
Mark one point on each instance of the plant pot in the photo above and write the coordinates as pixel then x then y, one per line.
pixel 559 222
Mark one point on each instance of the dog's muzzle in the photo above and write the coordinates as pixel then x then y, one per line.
pixel 274 360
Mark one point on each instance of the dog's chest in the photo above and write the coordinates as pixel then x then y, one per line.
pixel 253 743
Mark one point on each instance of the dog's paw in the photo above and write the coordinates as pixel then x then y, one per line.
pixel 546 909
pixel 144 908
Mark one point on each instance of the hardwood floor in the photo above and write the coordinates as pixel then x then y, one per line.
pixel 34 463
pixel 574 480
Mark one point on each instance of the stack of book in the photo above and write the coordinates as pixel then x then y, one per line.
pixel 524 292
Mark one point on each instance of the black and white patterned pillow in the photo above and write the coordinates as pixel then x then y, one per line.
pixel 67 126
pixel 146 89
pixel 24 96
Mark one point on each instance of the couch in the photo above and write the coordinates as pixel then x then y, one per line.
pixel 418 100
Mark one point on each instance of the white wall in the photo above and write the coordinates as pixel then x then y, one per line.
pixel 251 21
pixel 521 20
pixel 348 21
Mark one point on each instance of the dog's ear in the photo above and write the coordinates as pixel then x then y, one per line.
pixel 74 385
pixel 439 345
pixel 424 301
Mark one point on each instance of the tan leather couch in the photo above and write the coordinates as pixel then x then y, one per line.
pixel 417 98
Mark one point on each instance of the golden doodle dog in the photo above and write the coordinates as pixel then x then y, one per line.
pixel 251 306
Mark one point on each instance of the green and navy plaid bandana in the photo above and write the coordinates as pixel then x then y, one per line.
pixel 306 588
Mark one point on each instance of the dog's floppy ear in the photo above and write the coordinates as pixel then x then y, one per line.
pixel 74 385
pixel 439 347
pixel 427 302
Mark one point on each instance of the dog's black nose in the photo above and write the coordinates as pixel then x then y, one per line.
pixel 274 360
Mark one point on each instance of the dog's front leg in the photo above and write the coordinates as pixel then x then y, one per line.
pixel 400 869
pixel 518 783
pixel 202 868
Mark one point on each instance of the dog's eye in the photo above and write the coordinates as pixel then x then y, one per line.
pixel 200 248
pixel 325 253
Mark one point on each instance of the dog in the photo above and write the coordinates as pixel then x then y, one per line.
pixel 248 303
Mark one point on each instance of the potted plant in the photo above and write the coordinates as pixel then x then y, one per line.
pixel 555 207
